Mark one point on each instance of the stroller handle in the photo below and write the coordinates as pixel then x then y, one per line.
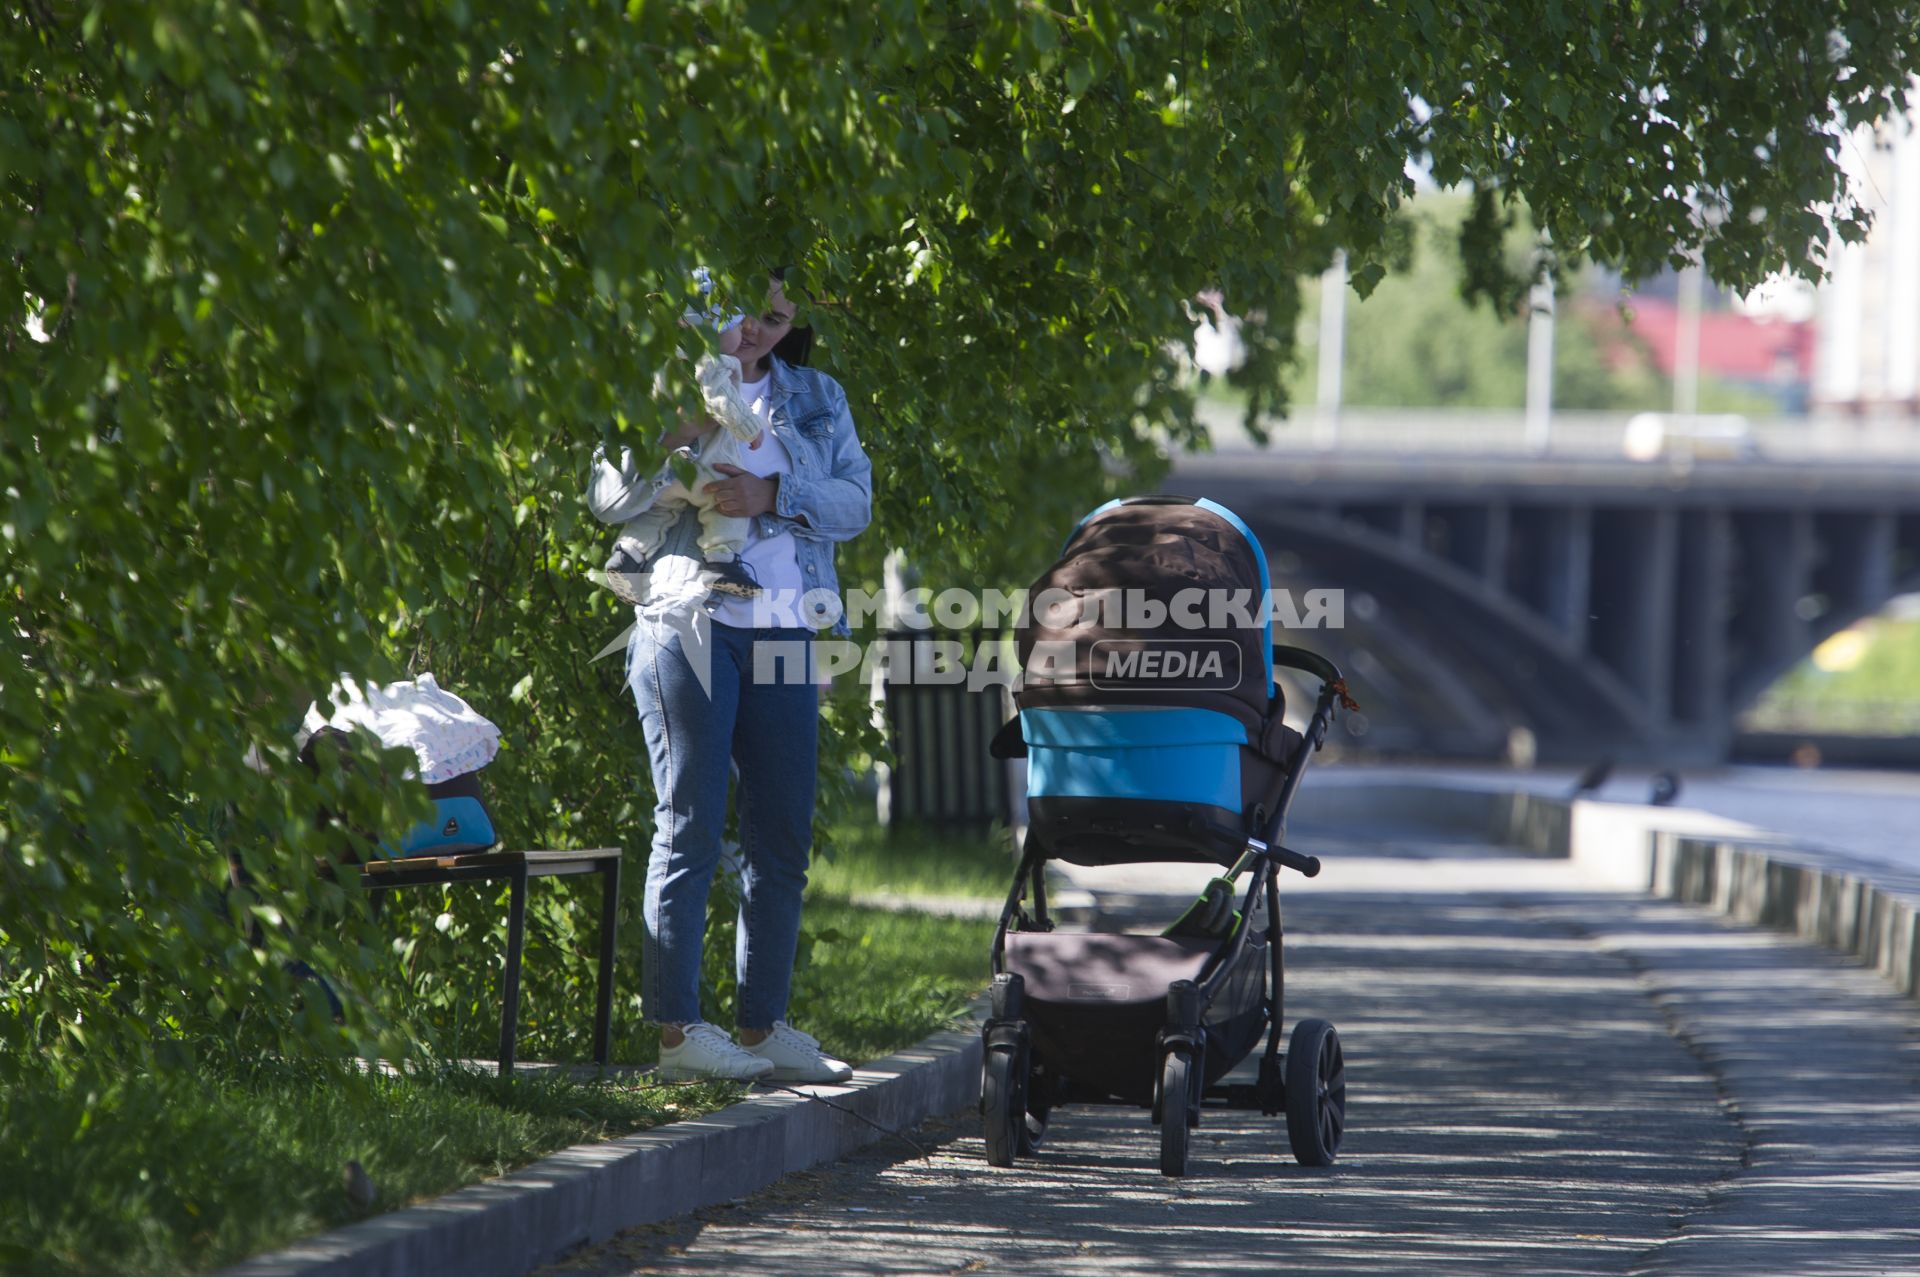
pixel 1308 866
pixel 1259 848
pixel 1299 658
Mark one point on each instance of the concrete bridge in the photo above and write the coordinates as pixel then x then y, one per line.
pixel 1613 608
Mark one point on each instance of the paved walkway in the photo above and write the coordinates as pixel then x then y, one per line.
pixel 1544 1078
pixel 1866 815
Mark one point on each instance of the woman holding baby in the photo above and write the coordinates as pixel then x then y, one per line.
pixel 801 487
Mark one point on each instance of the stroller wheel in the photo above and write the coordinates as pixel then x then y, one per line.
pixel 1176 1095
pixel 1039 1105
pixel 1316 1093
pixel 1003 1107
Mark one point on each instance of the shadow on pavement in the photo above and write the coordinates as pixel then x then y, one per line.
pixel 1544 1079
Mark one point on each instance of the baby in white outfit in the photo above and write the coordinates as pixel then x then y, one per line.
pixel 722 537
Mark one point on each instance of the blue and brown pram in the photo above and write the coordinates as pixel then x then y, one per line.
pixel 1153 731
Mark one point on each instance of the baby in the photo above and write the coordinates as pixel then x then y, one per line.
pixel 722 538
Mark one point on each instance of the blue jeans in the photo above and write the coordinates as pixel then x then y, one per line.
pixel 769 726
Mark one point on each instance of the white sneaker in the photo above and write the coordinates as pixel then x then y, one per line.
pixel 709 1053
pixel 797 1057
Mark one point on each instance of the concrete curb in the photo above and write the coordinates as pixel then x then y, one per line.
pixel 1869 911
pixel 585 1194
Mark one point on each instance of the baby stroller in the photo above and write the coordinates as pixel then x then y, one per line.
pixel 1151 738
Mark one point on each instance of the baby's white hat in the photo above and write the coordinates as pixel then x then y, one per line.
pixel 714 317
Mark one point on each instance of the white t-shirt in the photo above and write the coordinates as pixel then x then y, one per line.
pixel 773 560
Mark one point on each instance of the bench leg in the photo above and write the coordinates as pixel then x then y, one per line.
pixel 609 936
pixel 510 985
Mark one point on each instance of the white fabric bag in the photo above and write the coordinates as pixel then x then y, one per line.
pixel 447 735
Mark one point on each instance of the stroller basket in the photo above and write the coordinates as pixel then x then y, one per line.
pixel 1097 1003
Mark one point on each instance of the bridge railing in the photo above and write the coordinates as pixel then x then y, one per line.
pixel 1472 431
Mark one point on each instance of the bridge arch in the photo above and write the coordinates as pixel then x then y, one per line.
pixel 1476 662
pixel 1613 610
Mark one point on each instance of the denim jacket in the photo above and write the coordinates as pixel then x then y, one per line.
pixel 827 497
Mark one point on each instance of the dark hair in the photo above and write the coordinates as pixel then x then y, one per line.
pixel 797 346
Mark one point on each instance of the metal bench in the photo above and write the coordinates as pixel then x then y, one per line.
pixel 518 867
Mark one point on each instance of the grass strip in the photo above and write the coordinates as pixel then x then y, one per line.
pixel 864 857
pixel 171 1173
pixel 879 980
pixel 186 1171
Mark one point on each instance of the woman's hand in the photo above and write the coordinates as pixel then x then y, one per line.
pixel 690 429
pixel 741 495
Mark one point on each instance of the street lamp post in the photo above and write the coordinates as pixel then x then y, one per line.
pixel 1333 335
pixel 1686 342
pixel 1540 307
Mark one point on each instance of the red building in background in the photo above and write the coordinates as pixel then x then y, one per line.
pixel 1769 350
pixel 1766 354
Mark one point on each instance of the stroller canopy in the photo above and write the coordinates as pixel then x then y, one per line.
pixel 1156 601
pixel 1147 704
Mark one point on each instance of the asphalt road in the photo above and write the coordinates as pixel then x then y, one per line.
pixel 1544 1078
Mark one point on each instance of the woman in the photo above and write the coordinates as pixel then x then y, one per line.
pixel 704 701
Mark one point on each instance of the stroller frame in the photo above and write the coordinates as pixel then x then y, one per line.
pixel 1307 1082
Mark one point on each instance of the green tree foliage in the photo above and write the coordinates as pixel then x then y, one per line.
pixel 311 313
pixel 1865 680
